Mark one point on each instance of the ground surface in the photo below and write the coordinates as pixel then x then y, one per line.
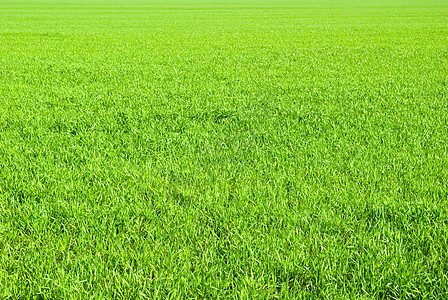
pixel 236 149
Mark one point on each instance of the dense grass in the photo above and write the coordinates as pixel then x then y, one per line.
pixel 223 149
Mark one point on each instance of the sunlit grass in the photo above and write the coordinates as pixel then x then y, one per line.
pixel 223 149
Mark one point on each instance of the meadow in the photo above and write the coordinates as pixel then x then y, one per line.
pixel 223 149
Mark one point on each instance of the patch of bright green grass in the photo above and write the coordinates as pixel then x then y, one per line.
pixel 223 149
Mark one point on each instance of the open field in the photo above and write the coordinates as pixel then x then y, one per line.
pixel 205 149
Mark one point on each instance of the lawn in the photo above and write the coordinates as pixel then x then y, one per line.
pixel 223 149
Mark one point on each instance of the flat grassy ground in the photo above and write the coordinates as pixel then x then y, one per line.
pixel 223 149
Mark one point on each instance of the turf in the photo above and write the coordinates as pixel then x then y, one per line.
pixel 224 149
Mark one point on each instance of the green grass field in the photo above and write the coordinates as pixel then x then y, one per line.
pixel 223 149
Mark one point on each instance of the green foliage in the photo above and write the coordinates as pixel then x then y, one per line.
pixel 223 150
